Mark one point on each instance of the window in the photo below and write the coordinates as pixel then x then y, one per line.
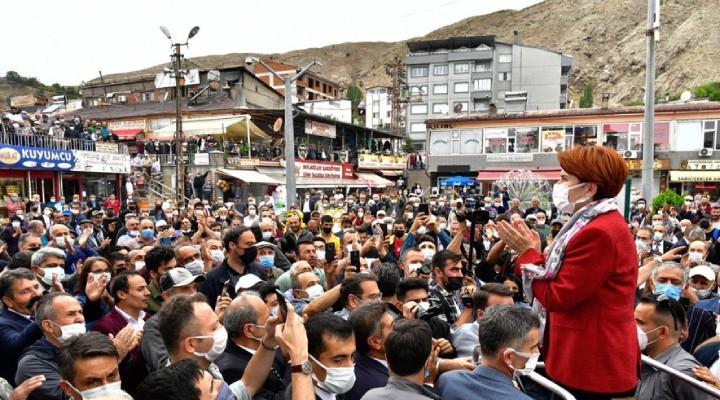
pixel 440 70
pixel 496 141
pixel 481 106
pixel 440 89
pixel 662 136
pixel 462 68
pixel 417 91
pixel 553 139
pixel 376 115
pixel 505 58
pixel 462 87
pixel 417 127
pixel 471 142
pixel 418 72
pixel 440 142
pixel 527 140
pixel 482 67
pixel 585 134
pixel 418 109
pixel 440 108
pixel 387 114
pixel 616 136
pixel 481 85
pixel 148 96
pixel 504 76
pixel 709 132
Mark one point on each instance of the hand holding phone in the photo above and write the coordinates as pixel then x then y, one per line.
pixel 282 306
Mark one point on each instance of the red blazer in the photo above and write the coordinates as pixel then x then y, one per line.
pixel 590 341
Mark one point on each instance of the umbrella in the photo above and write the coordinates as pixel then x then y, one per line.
pixel 458 181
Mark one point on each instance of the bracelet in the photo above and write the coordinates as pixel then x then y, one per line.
pixel 262 342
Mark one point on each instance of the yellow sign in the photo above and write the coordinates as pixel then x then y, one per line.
pixel 372 161
pixel 657 164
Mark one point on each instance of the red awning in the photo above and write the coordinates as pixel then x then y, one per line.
pixel 489 176
pixel 127 134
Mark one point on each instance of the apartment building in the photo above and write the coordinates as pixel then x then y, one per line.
pixel 310 86
pixel 378 107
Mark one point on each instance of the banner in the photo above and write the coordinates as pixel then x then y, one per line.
pixel 104 147
pixel 202 159
pixel 320 129
pixel 127 125
pixel 89 161
pixel 324 170
pixel 371 161
pixel 21 157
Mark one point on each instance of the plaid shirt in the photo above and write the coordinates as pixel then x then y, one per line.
pixel 450 306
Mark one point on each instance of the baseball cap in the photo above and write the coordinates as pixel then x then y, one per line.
pixel 532 216
pixel 178 277
pixel 556 221
pixel 704 271
pixel 84 221
pixel 381 212
pixel 246 282
pixel 67 213
pixel 263 245
pixel 160 223
pixel 98 213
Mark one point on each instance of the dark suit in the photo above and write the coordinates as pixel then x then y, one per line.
pixel 234 360
pixel 369 374
pixel 482 383
pixel 663 247
pixel 212 287
pixel 132 370
pixel 16 334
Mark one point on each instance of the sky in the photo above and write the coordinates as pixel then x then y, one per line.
pixel 70 41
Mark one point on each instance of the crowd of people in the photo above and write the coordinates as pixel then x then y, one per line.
pixel 399 295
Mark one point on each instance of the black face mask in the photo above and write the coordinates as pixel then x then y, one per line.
pixel 327 231
pixel 554 232
pixel 704 224
pixel 34 208
pixel 399 234
pixel 249 256
pixel 454 283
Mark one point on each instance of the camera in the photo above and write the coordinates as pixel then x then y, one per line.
pixel 249 61
pixel 430 313
pixel 478 217
pixel 467 300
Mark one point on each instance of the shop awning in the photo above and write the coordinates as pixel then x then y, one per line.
pixel 249 176
pixel 309 183
pixel 372 180
pixel 127 134
pixel 695 176
pixel 490 176
pixel 231 126
pixel 391 172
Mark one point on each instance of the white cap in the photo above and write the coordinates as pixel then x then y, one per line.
pixel 246 282
pixel 160 223
pixel 704 271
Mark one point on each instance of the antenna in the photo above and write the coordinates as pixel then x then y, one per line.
pixel 686 96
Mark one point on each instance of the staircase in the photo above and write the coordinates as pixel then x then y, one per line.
pixel 418 176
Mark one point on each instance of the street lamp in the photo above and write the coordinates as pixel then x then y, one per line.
pixel 289 126
pixel 176 57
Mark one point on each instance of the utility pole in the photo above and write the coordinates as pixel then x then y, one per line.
pixel 653 26
pixel 179 167
pixel 396 71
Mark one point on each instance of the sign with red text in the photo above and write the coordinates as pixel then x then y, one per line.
pixel 324 170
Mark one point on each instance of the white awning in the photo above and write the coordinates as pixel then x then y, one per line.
pixel 372 180
pixel 249 176
pixel 232 126
pixel 303 182
pixel 695 176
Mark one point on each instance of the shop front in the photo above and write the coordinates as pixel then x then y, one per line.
pixel 131 132
pixel 95 173
pixel 697 176
pixel 389 166
pixel 661 170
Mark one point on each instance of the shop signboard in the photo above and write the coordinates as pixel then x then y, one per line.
pixel 320 129
pixel 700 164
pixel 202 159
pixel 105 147
pixel 637 165
pixel 509 158
pixel 324 170
pixel 20 157
pixel 372 161
pixel 127 125
pixel 89 161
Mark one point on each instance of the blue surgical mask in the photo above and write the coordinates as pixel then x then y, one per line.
pixel 267 262
pixel 671 291
pixel 147 234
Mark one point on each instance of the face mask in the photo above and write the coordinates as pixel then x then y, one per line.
pixel 640 245
pixel 530 364
pixel 64 242
pixel 443 226
pixel 454 283
pixel 98 276
pixel 703 293
pixel 422 230
pixel 47 211
pixel 99 391
pixel 326 230
pixel 21 216
pixel 49 272
pixel 671 291
pixel 69 331
pixel 148 234
pixel 217 256
pixel 249 255
pixel 320 255
pixel 139 265
pixel 560 197
pixel 682 229
pixel 75 211
pixel 220 337
pixel 267 236
pixel 428 253
pixel 314 292
pixel 399 234
pixel 641 205
pixel 337 380
pixel 15 224
pixel 658 236
pixel 196 267
pixel 414 266
pixel 134 233
pixel 360 215
pixel 540 222
pixel 424 305
pixel 696 257
pixel 643 339
pixel 267 262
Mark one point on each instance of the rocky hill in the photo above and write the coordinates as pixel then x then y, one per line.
pixel 606 39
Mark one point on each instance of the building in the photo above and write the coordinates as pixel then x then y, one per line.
pixel 378 107
pixel 687 144
pixel 339 110
pixel 310 86
pixel 479 75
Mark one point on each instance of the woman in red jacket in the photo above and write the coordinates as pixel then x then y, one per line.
pixel 584 287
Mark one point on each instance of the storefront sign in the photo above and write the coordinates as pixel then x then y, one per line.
pixel 324 170
pixel 34 158
pixel 23 101
pixel 320 129
pixel 202 159
pixel 552 140
pixel 371 161
pixel 89 161
pixel 700 164
pixel 126 125
pixel 104 147
pixel 638 164
pixel 509 158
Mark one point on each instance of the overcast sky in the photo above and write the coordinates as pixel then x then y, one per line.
pixel 68 42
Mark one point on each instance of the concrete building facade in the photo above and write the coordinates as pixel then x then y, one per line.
pixel 378 107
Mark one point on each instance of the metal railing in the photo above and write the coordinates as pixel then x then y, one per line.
pixel 51 142
pixel 712 391
pixel 549 385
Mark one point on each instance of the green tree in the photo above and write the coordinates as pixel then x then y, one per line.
pixel 667 198
pixel 354 94
pixel 710 90
pixel 586 101
pixel 408 146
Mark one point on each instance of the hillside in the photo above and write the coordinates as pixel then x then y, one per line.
pixel 606 39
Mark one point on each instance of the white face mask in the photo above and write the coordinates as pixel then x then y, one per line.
pixel 98 276
pixel 63 242
pixel 657 236
pixel 314 292
pixel 196 267
pixel 421 230
pixel 643 339
pixel 49 272
pixel 320 255
pixel 640 245
pixel 530 364
pixel 428 253
pixel 217 256
pixel 560 197
pixel 414 266
pixel 540 222
pixel 219 337
pixel 139 265
pixel 267 236
pixel 69 331
pixel 337 380
pixel 443 226
pixel 252 213
pixel 100 391
pixel 696 257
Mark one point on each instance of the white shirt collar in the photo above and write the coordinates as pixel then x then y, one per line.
pixel 22 315
pixel 383 362
pixel 136 324
pixel 323 395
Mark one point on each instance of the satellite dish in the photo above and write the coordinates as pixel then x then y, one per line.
pixel 213 75
pixel 277 125
pixel 458 107
pixel 686 95
pixel 166 32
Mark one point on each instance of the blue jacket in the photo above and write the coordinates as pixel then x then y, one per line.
pixel 16 334
pixel 484 383
pixel 369 374
pixel 711 304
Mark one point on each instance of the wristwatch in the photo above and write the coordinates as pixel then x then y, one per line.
pixel 305 368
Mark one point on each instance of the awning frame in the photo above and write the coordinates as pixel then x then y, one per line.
pixel 249 176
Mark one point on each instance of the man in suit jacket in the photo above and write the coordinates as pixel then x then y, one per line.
pixel 371 324
pixel 131 295
pixel 20 293
pixel 501 326
pixel 244 321
pixel 659 245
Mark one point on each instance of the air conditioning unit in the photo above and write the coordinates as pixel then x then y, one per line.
pixel 122 99
pixel 705 152
pixel 631 154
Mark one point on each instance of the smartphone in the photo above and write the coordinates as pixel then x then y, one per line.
pixel 225 288
pixel 329 252
pixel 166 241
pixel 424 208
pixel 355 259
pixel 282 305
pixel 383 228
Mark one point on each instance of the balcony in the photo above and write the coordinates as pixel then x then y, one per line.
pixel 481 94
pixel 564 80
pixel 563 99
pixel 50 142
